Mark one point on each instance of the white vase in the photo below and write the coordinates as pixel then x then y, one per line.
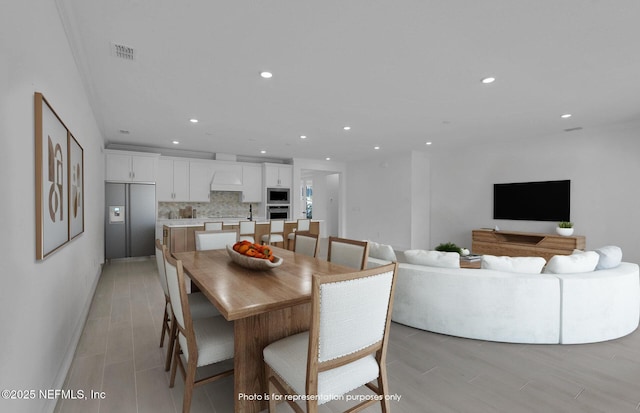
pixel 565 232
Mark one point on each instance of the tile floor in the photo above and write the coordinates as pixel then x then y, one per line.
pixel 118 354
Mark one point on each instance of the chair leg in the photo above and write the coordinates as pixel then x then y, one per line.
pixel 189 379
pixel 165 319
pixel 174 366
pixel 173 336
pixel 382 388
pixel 270 388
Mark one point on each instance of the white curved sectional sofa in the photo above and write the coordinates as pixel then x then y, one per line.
pixel 519 308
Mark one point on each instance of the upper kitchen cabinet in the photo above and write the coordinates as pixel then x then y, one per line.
pixel 252 183
pixel 173 180
pixel 200 174
pixel 278 175
pixel 227 176
pixel 130 166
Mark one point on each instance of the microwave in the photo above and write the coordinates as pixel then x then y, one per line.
pixel 277 195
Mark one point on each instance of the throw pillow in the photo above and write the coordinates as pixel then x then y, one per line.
pixel 381 251
pixel 433 258
pixel 610 257
pixel 523 265
pixel 574 263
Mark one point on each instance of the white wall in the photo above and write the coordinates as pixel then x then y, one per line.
pixel 602 164
pixel 379 200
pixel 42 304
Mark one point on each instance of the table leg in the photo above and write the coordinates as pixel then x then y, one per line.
pixel 252 335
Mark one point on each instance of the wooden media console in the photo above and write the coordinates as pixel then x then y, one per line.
pixel 524 244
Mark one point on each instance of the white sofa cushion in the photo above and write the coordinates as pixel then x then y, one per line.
pixel 522 265
pixel 574 263
pixel 433 258
pixel 610 257
pixel 381 251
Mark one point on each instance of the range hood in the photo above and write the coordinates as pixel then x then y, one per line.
pixel 227 178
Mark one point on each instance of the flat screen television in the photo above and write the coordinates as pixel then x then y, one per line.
pixel 532 201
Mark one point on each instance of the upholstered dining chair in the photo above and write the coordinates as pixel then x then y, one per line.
pixel 276 232
pixel 215 240
pixel 201 342
pixel 213 226
pixel 348 252
pixel 346 346
pixel 303 225
pixel 199 305
pixel 247 231
pixel 306 243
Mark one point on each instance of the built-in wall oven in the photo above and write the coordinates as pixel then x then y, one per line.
pixel 278 212
pixel 278 196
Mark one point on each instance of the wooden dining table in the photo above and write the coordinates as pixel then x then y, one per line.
pixel 265 306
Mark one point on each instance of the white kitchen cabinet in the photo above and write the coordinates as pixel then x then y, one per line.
pixel 278 176
pixel 252 183
pixel 200 174
pixel 173 180
pixel 130 167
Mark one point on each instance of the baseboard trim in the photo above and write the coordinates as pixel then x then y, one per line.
pixel 65 367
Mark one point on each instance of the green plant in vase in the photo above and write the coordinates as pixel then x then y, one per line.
pixel 565 228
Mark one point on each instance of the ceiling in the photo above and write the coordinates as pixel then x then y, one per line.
pixel 399 73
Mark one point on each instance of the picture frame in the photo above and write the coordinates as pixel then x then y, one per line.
pixel 52 179
pixel 76 187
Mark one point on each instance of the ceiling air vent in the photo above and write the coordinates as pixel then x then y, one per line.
pixel 573 129
pixel 122 51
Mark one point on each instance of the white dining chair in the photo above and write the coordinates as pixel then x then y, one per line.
pixel 215 240
pixel 247 231
pixel 213 226
pixel 201 341
pixel 276 232
pixel 346 346
pixel 306 243
pixel 199 305
pixel 348 252
pixel 303 225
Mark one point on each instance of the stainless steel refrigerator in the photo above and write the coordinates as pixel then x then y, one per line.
pixel 130 220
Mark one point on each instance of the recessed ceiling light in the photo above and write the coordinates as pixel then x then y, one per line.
pixel 303 137
pixel 565 116
pixel 487 80
pixel 193 120
pixel 263 151
pixel 266 75
pixel 347 128
pixel 428 143
pixel 327 158
pixel 376 147
pixel 175 142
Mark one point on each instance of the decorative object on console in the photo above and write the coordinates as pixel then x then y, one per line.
pixel 440 259
pixel 565 228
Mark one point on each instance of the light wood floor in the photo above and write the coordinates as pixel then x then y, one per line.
pixel 118 353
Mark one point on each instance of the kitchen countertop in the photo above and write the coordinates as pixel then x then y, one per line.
pixel 194 222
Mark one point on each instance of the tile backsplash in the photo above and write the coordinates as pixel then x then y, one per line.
pixel 221 205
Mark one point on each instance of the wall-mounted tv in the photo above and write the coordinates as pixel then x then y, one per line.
pixel 532 201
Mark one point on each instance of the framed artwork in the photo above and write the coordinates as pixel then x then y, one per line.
pixel 52 179
pixel 76 188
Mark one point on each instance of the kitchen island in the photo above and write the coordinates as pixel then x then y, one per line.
pixel 179 234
